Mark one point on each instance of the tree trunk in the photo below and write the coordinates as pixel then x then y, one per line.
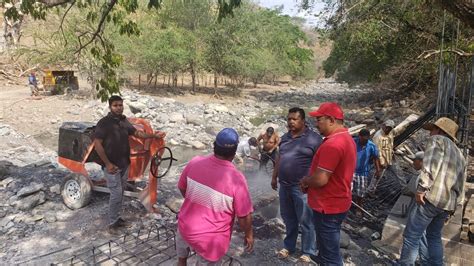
pixel 175 80
pixel 193 77
pixel 215 81
pixel 156 80
pixel 149 78
pixel 139 81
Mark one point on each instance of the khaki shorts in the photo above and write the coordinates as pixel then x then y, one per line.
pixel 183 249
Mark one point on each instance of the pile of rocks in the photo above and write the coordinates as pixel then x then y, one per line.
pixel 193 125
pixel 22 150
pixel 29 200
pixel 196 124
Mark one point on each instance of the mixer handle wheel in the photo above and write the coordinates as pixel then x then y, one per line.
pixel 163 158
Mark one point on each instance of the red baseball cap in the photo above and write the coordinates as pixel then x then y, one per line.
pixel 328 109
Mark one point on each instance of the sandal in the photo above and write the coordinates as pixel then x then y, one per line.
pixel 305 259
pixel 283 254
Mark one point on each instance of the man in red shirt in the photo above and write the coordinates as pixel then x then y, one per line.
pixel 329 183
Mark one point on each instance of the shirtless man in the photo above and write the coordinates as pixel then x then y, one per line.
pixel 270 141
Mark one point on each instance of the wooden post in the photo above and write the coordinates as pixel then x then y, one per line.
pixel 139 81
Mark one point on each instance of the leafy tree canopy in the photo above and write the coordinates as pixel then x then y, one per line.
pixel 177 37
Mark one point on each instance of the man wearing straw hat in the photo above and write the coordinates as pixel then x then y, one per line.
pixel 439 189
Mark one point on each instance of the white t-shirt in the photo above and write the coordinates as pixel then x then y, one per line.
pixel 243 149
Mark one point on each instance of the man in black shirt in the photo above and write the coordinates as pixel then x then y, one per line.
pixel 112 146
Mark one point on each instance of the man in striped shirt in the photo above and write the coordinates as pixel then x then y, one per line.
pixel 439 190
pixel 215 193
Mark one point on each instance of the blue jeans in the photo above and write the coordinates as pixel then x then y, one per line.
pixel 328 233
pixel 424 226
pixel 296 212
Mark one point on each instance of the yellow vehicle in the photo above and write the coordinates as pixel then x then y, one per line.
pixel 59 81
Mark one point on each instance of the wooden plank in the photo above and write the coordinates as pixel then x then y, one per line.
pixel 355 129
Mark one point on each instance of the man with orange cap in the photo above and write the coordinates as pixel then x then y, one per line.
pixel 329 182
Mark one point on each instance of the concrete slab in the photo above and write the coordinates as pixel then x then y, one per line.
pixel 455 252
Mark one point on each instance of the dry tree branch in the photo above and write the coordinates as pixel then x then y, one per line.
pixel 350 8
pixel 28 70
pixel 106 12
pixel 429 53
pixel 54 3
pixel 63 18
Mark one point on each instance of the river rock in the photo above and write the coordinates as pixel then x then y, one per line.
pixel 345 240
pixel 9 225
pixel 174 204
pixel 4 221
pixel 365 232
pixel 373 252
pixel 56 189
pixel 219 108
pixel 387 103
pixel 5 169
pixel 161 118
pixel 276 224
pixel 28 190
pixel 197 145
pixel 369 121
pixel 173 142
pixel 176 118
pixel 6 181
pixel 33 219
pixel 137 107
pixel 64 215
pixel 194 119
pixel 29 202
pixel 50 217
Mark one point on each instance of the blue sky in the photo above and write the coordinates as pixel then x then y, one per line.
pixel 290 7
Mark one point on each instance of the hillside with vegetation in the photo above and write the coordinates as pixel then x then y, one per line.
pixel 395 43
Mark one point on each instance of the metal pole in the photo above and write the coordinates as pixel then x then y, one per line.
pixel 362 209
pixel 441 70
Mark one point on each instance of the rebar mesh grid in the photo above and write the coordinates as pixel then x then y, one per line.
pixel 153 246
pixel 144 247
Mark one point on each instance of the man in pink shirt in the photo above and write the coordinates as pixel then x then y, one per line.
pixel 214 193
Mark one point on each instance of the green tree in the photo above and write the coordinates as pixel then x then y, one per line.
pixel 93 41
pixel 375 40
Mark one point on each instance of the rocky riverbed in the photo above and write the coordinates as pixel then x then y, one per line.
pixel 34 221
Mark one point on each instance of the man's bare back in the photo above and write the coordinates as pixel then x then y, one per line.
pixel 270 142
